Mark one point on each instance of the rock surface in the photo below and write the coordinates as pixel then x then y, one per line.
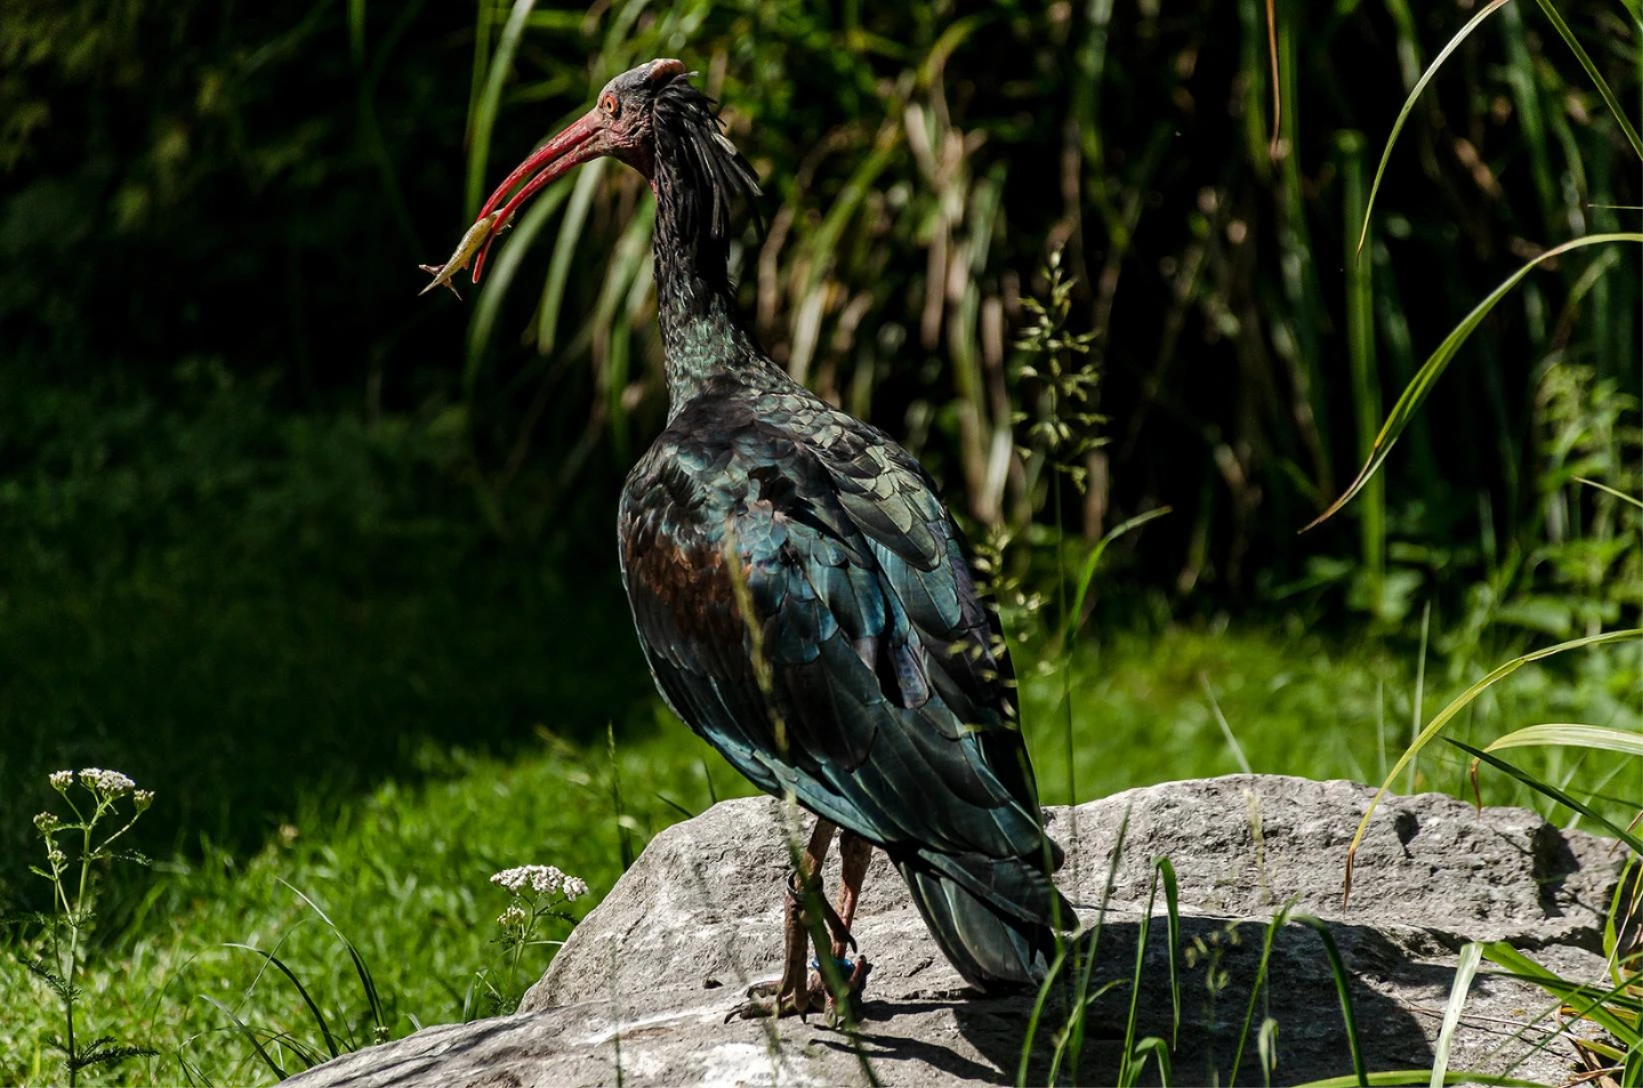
pixel 644 984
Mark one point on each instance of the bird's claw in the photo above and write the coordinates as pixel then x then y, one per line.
pixel 769 1001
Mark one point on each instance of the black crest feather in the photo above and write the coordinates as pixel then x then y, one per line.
pixel 710 173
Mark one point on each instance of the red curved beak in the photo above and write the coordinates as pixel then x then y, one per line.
pixel 571 148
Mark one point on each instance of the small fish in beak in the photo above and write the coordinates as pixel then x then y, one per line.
pixel 619 125
pixel 476 237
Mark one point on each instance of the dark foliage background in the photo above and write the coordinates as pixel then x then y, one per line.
pixel 262 507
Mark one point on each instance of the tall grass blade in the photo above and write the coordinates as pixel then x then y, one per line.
pixel 684 813
pixel 1521 967
pixel 1553 792
pixel 1172 903
pixel 1226 729
pixel 356 32
pixel 307 999
pixel 1037 1014
pixel 1086 574
pixel 1585 60
pixel 820 247
pixel 1277 95
pixel 1255 987
pixel 1465 971
pixel 1620 914
pixel 564 251
pixel 1420 694
pixel 1380 726
pixel 1617 494
pixel 1366 389
pixel 1064 951
pixel 1133 1059
pixel 250 1036
pixel 1409 104
pixel 500 277
pixel 481 63
pixel 1455 707
pixel 1602 738
pixel 614 313
pixel 1154 1047
pixel 1337 969
pixel 1398 1078
pixel 712 790
pixel 1415 393
pixel 484 113
pixel 1072 1039
pixel 367 983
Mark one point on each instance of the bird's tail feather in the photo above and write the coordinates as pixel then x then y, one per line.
pixel 995 919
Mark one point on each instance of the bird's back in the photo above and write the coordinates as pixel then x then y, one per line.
pixel 806 606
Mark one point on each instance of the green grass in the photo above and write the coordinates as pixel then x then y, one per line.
pixel 403 872
pixel 403 868
pixel 238 605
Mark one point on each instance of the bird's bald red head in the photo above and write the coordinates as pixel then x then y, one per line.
pixel 619 125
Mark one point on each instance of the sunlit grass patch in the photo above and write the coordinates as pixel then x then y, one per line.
pixel 404 873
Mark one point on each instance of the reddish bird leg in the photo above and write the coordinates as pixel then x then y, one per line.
pixel 854 855
pixel 793 994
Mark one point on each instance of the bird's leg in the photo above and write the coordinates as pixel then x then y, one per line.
pixel 793 991
pixel 854 855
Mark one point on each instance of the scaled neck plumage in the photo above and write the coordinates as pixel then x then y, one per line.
pixel 701 335
pixel 695 175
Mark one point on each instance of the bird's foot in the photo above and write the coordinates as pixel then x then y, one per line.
pixel 844 1006
pixel 773 1000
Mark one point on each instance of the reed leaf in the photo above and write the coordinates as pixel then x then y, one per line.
pixel 490 98
pixel 1603 738
pixel 483 324
pixel 1603 89
pixel 1398 1078
pixel 1409 104
pixel 1562 798
pixel 1415 393
pixel 1465 970
pixel 1617 494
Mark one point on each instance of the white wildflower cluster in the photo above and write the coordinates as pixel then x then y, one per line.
pixel 542 879
pixel 512 918
pixel 47 822
pixel 142 799
pixel 111 783
pixel 61 780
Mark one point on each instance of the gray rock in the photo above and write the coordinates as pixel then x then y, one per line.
pixel 644 984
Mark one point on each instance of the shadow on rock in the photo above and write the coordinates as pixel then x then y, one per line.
pixel 1299 996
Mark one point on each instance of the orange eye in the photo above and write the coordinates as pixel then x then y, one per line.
pixel 608 104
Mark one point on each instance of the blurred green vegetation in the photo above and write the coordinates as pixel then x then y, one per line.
pixel 300 550
pixel 253 188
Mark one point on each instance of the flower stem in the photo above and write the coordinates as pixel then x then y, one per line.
pixel 73 917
